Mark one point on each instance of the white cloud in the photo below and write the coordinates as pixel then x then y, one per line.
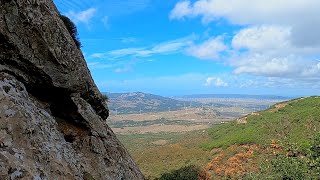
pixel 247 11
pixel 98 65
pixel 300 15
pixel 262 38
pixel 82 16
pixel 164 48
pixel 215 81
pixel 290 66
pixel 209 49
pixel 271 53
pixel 270 39
pixel 125 52
pixel 181 9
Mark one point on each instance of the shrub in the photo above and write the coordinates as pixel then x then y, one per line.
pixel 185 173
pixel 289 167
pixel 71 27
pixel 315 155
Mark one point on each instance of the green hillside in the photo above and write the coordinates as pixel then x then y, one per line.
pixel 282 142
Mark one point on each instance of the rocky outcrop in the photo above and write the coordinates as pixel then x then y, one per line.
pixel 52 116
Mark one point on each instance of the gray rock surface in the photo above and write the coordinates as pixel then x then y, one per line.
pixel 52 116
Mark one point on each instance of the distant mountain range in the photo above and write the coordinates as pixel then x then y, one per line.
pixel 136 102
pixel 238 96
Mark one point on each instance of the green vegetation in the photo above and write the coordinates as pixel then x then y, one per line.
pixel 282 142
pixel 297 122
pixel 225 135
pixel 71 27
pixel 294 125
pixel 292 164
pixel 178 150
pixel 185 173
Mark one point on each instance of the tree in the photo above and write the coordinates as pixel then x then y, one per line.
pixel 72 30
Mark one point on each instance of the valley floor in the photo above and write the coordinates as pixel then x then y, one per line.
pixel 159 153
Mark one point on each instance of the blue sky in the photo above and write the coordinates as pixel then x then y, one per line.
pixel 204 46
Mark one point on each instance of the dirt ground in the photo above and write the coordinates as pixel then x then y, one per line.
pixel 192 114
pixel 158 128
pixel 195 118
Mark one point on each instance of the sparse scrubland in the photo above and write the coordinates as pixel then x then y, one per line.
pixel 282 142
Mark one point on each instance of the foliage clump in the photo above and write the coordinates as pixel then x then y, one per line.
pixel 186 173
pixel 295 163
pixel 72 29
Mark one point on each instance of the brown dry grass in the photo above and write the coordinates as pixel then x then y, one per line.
pixel 191 114
pixel 158 128
pixel 238 160
pixel 237 164
pixel 180 150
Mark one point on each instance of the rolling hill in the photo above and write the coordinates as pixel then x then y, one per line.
pixel 136 102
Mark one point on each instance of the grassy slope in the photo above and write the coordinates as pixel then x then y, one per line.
pixel 297 122
pixel 181 149
pixel 291 124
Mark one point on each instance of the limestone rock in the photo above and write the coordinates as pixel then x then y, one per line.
pixel 52 115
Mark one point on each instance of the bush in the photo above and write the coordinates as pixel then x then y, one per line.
pixel 185 173
pixel 289 167
pixel 298 163
pixel 71 27
pixel 315 155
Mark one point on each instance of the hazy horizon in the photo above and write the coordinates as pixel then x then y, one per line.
pixel 197 94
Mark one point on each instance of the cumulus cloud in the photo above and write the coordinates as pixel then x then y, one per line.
pixel 247 11
pixel 278 38
pixel 290 66
pixel 270 39
pixel 262 38
pixel 209 49
pixel 215 81
pixel 270 52
pixel 82 16
pixel 181 10
pixel 300 15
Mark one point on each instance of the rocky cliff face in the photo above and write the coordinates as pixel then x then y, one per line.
pixel 52 116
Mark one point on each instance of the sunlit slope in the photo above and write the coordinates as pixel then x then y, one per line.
pixel 293 121
pixel 282 142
